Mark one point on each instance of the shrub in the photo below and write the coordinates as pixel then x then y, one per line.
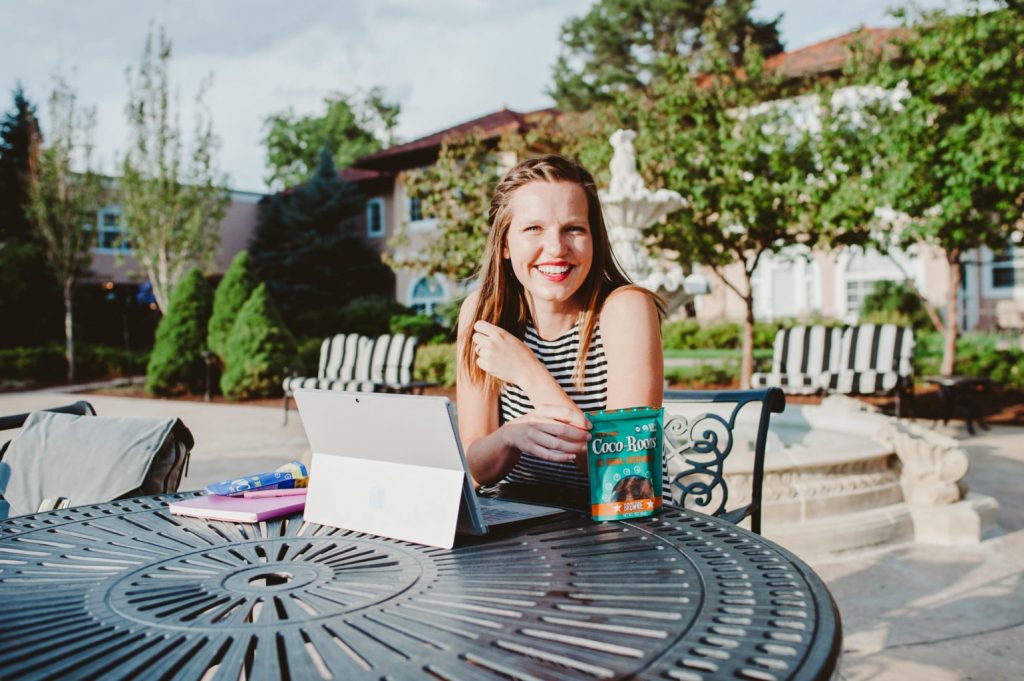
pixel 894 302
pixel 422 326
pixel 977 354
pixel 260 349
pixel 678 335
pixel 370 316
pixel 176 365
pixel 308 356
pixel 46 364
pixel 436 363
pixel 724 374
pixel 232 292
pixel 719 335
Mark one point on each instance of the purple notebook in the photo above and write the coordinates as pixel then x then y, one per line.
pixel 238 509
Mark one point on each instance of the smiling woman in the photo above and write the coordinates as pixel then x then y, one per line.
pixel 555 329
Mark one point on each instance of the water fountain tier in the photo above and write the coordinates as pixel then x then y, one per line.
pixel 629 208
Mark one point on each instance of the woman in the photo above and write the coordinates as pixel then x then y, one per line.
pixel 554 330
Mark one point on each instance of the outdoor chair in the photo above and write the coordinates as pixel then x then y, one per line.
pixel 874 359
pixel 801 356
pixel 699 435
pixel 69 456
pixel 357 363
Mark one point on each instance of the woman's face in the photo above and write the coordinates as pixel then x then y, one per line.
pixel 549 242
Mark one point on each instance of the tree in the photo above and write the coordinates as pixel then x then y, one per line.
pixel 232 292
pixel 63 199
pixel 457 191
pixel 260 350
pixel 741 162
pixel 351 126
pixel 621 45
pixel 310 266
pixel 28 291
pixel 172 202
pixel 176 364
pixel 950 158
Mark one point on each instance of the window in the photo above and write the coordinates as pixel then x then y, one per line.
pixel 375 217
pixel 863 270
pixel 109 239
pixel 427 293
pixel 415 209
pixel 1007 268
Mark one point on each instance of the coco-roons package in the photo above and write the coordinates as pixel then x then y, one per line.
pixel 624 456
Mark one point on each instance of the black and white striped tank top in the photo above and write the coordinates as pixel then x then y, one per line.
pixel 559 357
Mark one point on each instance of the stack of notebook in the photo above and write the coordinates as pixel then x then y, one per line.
pixel 252 498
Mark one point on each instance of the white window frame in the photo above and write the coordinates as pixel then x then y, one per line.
pixel 421 225
pixel 432 303
pixel 370 231
pixel 989 265
pixel 101 229
pixel 908 262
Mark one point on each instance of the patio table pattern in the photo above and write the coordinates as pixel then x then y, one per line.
pixel 125 589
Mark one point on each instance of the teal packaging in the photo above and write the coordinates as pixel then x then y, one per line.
pixel 624 461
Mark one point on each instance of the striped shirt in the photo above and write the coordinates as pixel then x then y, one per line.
pixel 559 357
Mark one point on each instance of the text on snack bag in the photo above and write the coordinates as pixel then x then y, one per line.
pixel 632 444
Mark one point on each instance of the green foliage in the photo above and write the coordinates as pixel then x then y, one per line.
pixel 63 197
pixel 616 45
pixel 950 157
pixel 26 366
pixel 351 126
pixel 172 201
pixel 310 267
pixel 176 364
pixel 706 375
pixel 232 292
pixel 457 192
pixel 369 316
pixel 437 364
pixel 422 326
pixel 308 351
pixel 260 350
pixel 977 354
pixel 894 302
pixel 19 133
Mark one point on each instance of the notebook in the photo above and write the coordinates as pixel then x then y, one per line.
pixel 392 465
pixel 237 509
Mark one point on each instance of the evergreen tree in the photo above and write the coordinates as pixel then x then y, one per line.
pixel 232 292
pixel 176 364
pixel 260 350
pixel 29 297
pixel 310 267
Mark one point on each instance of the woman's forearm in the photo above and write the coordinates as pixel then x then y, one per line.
pixel 490 457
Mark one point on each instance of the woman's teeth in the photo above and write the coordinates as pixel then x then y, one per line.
pixel 553 269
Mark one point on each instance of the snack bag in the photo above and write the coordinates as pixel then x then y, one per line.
pixel 292 474
pixel 624 456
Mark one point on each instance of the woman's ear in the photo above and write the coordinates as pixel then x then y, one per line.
pixel 504 252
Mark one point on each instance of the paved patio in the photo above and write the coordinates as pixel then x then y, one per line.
pixel 909 612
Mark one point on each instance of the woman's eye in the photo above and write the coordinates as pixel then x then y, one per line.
pixel 576 229
pixel 532 228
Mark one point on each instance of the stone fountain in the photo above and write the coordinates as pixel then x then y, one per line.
pixel 630 208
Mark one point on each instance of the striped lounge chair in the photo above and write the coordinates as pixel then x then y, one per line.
pixel 357 363
pixel 875 359
pixel 801 356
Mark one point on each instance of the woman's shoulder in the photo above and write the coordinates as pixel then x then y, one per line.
pixel 627 304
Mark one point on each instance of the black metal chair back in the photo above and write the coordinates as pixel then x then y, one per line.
pixel 697 444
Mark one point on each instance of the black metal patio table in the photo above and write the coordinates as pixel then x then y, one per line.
pixel 126 590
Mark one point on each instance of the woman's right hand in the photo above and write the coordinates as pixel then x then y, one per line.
pixel 551 432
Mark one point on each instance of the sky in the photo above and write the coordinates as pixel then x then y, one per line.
pixel 443 61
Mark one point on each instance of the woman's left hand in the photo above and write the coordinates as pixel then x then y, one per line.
pixel 501 354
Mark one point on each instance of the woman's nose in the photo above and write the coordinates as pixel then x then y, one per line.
pixel 554 243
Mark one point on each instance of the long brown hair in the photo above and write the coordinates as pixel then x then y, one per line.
pixel 502 301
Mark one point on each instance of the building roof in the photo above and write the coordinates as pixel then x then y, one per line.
pixel 823 57
pixel 828 55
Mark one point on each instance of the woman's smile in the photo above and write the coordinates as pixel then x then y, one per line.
pixel 550 246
